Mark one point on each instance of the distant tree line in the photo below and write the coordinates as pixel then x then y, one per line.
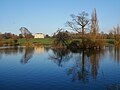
pixel 10 39
pixel 80 32
pixel 86 33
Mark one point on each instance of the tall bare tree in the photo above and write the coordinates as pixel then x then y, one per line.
pixel 79 24
pixel 95 38
pixel 94 32
pixel 116 34
pixel 116 31
pixel 94 23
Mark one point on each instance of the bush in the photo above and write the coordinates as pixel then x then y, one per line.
pixel 74 44
pixel 111 41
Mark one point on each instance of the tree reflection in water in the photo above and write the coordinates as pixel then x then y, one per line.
pixel 0 55
pixel 29 51
pixel 115 86
pixel 60 55
pixel 115 53
pixel 86 64
pixel 9 50
pixel 95 57
pixel 80 69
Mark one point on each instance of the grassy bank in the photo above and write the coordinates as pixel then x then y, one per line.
pixel 41 41
pixel 24 42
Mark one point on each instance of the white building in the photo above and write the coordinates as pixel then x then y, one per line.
pixel 39 35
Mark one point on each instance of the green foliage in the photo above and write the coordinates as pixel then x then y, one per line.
pixel 61 39
pixel 75 44
pixel 95 44
pixel 1 43
pixel 115 34
pixel 116 43
pixel 110 41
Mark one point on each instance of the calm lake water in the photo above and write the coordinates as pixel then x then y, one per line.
pixel 43 68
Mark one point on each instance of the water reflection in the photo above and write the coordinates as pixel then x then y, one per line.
pixel 29 51
pixel 83 67
pixel 115 86
pixel 39 49
pixel 60 56
pixel 84 63
pixel 80 69
pixel 115 53
pixel 10 50
pixel 95 57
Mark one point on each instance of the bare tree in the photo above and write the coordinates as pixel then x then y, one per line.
pixel 116 31
pixel 94 33
pixel 79 24
pixel 95 38
pixel 94 23
pixel 25 32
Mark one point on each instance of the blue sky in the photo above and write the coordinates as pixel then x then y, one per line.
pixel 46 16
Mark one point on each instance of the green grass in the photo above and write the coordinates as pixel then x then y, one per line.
pixel 38 40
